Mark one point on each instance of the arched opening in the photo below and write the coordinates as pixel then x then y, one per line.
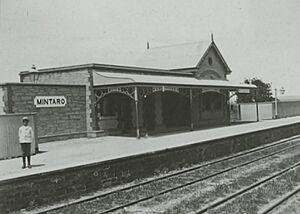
pixel 176 109
pixel 165 111
pixel 213 107
pixel 148 105
pixel 114 112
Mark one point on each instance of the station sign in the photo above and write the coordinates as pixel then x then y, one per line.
pixel 244 90
pixel 204 90
pixel 50 101
pixel 170 88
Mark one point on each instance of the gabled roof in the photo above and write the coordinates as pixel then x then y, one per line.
pixel 214 46
pixel 180 56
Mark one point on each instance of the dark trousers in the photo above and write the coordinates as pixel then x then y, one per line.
pixel 26 149
pixel 26 152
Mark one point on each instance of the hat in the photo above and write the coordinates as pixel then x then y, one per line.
pixel 25 118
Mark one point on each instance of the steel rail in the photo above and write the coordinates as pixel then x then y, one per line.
pixel 240 154
pixel 256 184
pixel 193 182
pixel 281 201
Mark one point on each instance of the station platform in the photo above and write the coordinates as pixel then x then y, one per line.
pixel 71 153
pixel 68 170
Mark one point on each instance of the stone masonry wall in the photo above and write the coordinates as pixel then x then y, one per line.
pixel 2 104
pixel 52 187
pixel 51 121
pixel 73 77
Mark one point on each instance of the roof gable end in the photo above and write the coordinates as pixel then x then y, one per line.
pixel 214 46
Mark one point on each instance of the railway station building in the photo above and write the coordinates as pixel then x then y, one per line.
pixel 181 87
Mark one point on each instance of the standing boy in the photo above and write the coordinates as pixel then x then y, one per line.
pixel 25 139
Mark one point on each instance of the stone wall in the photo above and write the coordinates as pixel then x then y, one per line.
pixel 52 187
pixel 73 77
pixel 53 123
pixel 2 105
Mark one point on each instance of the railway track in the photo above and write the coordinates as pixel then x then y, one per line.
pixel 244 190
pixel 281 202
pixel 116 200
pixel 251 187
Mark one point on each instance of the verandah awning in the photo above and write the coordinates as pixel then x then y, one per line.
pixel 112 78
pixel 129 84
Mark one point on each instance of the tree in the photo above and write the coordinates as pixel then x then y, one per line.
pixel 263 92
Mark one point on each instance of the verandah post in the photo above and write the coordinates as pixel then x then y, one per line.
pixel 136 112
pixel 191 109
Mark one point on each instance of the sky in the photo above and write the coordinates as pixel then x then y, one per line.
pixel 257 38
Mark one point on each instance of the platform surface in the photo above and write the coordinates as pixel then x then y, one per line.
pixel 70 153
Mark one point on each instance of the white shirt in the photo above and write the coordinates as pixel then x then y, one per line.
pixel 25 134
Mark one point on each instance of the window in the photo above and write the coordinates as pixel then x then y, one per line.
pixel 210 61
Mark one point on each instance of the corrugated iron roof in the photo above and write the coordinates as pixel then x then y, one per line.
pixel 109 78
pixel 285 98
pixel 185 55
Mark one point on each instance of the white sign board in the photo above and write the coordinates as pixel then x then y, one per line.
pixel 244 91
pixel 50 101
pixel 204 90
pixel 168 88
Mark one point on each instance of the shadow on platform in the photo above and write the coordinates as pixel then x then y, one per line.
pixel 37 165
